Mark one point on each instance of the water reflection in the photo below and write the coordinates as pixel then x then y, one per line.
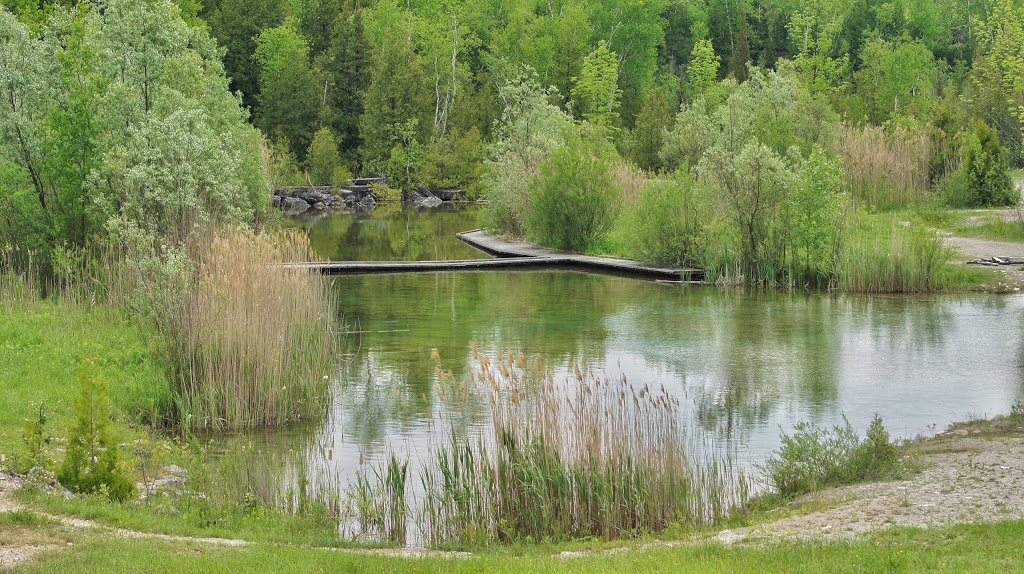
pixel 743 364
pixel 391 232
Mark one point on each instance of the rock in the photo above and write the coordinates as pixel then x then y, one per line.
pixel 275 201
pixel 368 202
pixel 295 206
pixel 429 201
pixel 728 537
pixel 42 480
pixel 319 206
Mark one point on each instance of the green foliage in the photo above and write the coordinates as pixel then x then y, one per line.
pixel 817 205
pixel 986 170
pixel 290 92
pixel 596 89
pixel 323 161
pixel 455 162
pixel 753 185
pixel 396 112
pixel 91 460
pixel 141 136
pixel 813 458
pixel 648 137
pixel 346 63
pixel 998 75
pixel 35 439
pixel 531 128
pixel 575 201
pixel 384 192
pixel 898 79
pixel 668 222
pixel 888 256
pixel 237 24
pixel 703 68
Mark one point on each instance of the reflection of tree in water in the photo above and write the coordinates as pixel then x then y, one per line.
pixel 773 348
pixel 901 322
pixel 396 320
pixel 391 232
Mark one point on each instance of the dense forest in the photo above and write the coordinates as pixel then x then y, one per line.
pixel 756 123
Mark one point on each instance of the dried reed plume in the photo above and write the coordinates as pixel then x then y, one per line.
pixel 585 457
pixel 254 344
pixel 885 168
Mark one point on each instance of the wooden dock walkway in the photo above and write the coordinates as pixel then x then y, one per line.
pixel 507 249
pixel 508 255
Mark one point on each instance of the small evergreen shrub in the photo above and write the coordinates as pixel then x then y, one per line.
pixel 92 462
pixel 986 169
pixel 813 458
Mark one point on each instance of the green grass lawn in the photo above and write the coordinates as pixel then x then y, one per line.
pixel 985 548
pixel 42 349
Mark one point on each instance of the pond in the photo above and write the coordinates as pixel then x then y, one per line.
pixel 743 364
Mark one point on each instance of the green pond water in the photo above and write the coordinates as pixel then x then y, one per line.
pixel 743 364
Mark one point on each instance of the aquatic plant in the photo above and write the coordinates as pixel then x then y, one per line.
pixel 588 456
pixel 887 256
pixel 252 342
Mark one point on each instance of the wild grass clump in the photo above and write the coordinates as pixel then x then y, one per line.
pixel 20 277
pixel 885 167
pixel 586 457
pixel 889 256
pixel 252 341
pixel 813 458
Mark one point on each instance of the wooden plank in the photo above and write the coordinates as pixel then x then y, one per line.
pixel 353 267
pixel 501 248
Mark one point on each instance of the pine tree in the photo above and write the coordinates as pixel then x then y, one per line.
pixel 91 460
pixel 395 100
pixel 741 55
pixel 347 64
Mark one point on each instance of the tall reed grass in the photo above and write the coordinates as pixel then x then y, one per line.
pixel 888 256
pixel 20 277
pixel 885 168
pixel 585 457
pixel 254 342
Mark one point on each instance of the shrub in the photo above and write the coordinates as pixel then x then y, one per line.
pixel 575 200
pixel 813 458
pixel 986 170
pixel 323 161
pixel 384 192
pixel 91 462
pixel 666 224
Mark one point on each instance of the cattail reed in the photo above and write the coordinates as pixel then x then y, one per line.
pixel 885 168
pixel 255 340
pixel 584 457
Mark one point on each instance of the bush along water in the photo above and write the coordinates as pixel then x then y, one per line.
pixel 813 458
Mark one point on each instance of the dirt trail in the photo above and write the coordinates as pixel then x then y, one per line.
pixel 971 248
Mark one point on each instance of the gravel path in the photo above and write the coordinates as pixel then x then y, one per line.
pixel 965 480
pixel 972 248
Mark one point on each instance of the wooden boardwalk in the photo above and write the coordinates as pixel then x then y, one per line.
pixel 501 248
pixel 508 255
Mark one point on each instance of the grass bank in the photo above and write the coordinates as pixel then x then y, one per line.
pixel 979 548
pixel 43 344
